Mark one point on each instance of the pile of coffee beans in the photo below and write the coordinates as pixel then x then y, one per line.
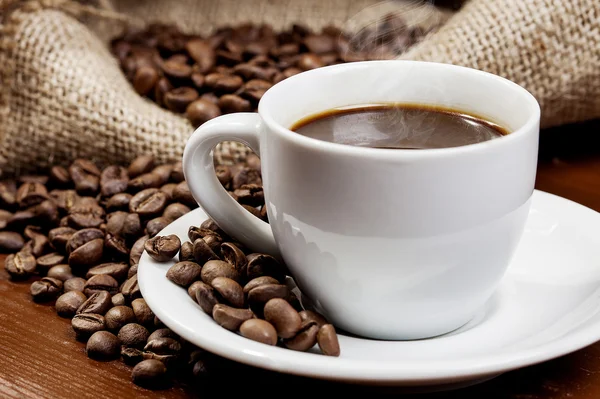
pixel 230 70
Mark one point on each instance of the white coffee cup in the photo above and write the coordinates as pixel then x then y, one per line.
pixel 387 244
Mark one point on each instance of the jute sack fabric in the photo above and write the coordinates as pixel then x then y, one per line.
pixel 63 96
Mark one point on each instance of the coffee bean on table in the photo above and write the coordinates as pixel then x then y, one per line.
pixel 59 237
pixel 67 304
pixel 47 261
pixel 118 201
pixel 118 316
pixel 150 373
pixel 143 313
pixel 137 249
pixel 46 289
pixel 11 241
pixel 74 284
pixel 258 281
pixel 228 289
pixel 328 341
pixel 131 289
pixel 283 317
pixel 101 282
pixel 20 265
pixel 163 346
pixel 113 180
pixel 116 247
pixel 259 330
pixel 134 335
pixel 230 318
pixel 86 324
pixel 39 245
pixel 99 303
pixel 88 254
pixel 61 272
pixel 118 300
pixel 117 270
pixel 163 333
pixel 148 202
pixel 184 273
pixel 83 236
pixel 103 345
pixel 205 296
pixel 163 248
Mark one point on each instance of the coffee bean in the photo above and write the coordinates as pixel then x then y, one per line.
pixel 149 202
pixel 11 241
pixel 131 356
pixel 259 330
pixel 163 333
pixel 82 237
pixel 46 289
pixel 205 295
pixel 285 49
pixel 202 53
pixel 223 84
pixel 86 213
pixel 202 251
pixel 118 316
pixel 309 315
pixel 118 271
pixel 118 201
pixel 118 300
pixel 283 316
pixel 218 268
pixel 99 302
pixel 186 253
pixel 20 265
pixel 328 340
pixel 65 199
pixel 8 193
pixel 177 100
pixel 305 339
pixel 103 345
pixel 264 265
pixel 182 194
pixel 256 282
pixel 310 61
pixel 131 289
pixel 115 222
pixel 74 284
pixel 163 172
pixel 163 248
pixel 198 80
pixel 39 245
pixel 175 211
pixel 133 335
pixel 44 263
pixel 198 232
pixel 136 250
pixel 67 304
pixel 144 80
pixel 162 87
pixel 88 254
pixel 86 176
pixel 101 282
pixel 223 174
pixel 250 194
pixel 46 212
pixel 156 225
pixel 230 318
pixel 201 111
pixel 140 165
pixel 254 89
pixel 177 172
pixel 113 180
pixel 163 346
pixel 59 176
pixel 144 182
pixel 149 373
pixel 176 70
pixel 132 227
pixel 261 294
pixel 228 289
pixel 246 176
pixel 168 189
pixel 184 273
pixel 61 272
pixel 59 237
pixel 5 216
pixel 20 219
pixel 228 57
pixel 230 103
pixel 31 194
pixel 143 313
pixel 234 256
pixel 214 242
pixel 132 271
pixel 320 44
pixel 116 246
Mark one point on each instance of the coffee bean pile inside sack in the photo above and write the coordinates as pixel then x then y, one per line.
pixel 230 70
pixel 79 233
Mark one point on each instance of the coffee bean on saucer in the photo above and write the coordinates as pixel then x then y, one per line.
pixel 328 341
pixel 283 317
pixel 67 304
pixel 232 254
pixel 163 248
pixel 184 273
pixel 228 289
pixel 230 318
pixel 264 265
pixel 103 345
pixel 258 281
pixel 218 268
pixel 305 339
pixel 202 252
pixel 186 253
pixel 205 296
pixel 259 330
pixel 263 293
pixel 309 315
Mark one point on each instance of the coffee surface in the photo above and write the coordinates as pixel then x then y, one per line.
pixel 400 126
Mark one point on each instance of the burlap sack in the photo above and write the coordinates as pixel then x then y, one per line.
pixel 63 96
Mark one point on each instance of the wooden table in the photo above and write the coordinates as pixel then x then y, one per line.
pixel 39 357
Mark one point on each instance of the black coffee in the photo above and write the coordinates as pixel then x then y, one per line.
pixel 400 126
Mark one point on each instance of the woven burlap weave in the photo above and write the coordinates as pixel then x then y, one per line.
pixel 63 95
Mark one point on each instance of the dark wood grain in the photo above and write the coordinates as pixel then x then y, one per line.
pixel 40 358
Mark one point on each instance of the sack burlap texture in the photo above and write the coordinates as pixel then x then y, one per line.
pixel 63 96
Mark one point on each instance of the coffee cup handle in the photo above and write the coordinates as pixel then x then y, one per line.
pixel 199 172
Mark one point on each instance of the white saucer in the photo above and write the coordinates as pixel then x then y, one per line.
pixel 546 306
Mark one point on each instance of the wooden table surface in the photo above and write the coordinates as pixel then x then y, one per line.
pixel 39 357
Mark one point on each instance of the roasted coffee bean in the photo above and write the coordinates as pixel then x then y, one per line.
pixel 198 232
pixel 82 237
pixel 176 70
pixel 39 245
pixel 5 216
pixel 156 225
pixel 263 293
pixel 136 250
pixel 59 176
pixel 168 189
pixel 218 268
pixel 67 304
pixel 144 80
pixel 214 241
pixel 86 324
pixel 230 103
pixel 118 201
pixel 140 165
pixel 228 57
pixel 118 316
pixel 223 84
pixel 131 289
pixel 20 219
pixel 149 202
pixel 305 339
pixel 41 179
pixel 328 340
pixel 74 284
pixel 86 176
pixel 246 176
pixel 118 300
pixel 254 89
pixel 198 80
pixel 163 172
pixel 186 253
pixel 202 252
pixel 149 373
pixel 162 87
pixel 175 211
pixel 259 330
pixel 8 193
pixel 177 172
pixel 201 111
pixel 182 194
pixel 184 273
pixel 61 272
pixel 205 295
pixel 230 318
pixel 59 237
pixel 163 333
pixel 234 256
pixel 65 199
pixel 116 246
pixel 132 271
pixel 256 282
pixel 143 313
pixel 131 356
pixel 144 182
pixel 46 289
pixel 132 227
pixel 285 49
pixel 263 214
pixel 320 44
pixel 88 254
pixel 46 212
pixel 228 289
pixel 47 261
pixel 103 345
pixel 98 302
pixel 101 282
pixel 118 271
pixel 31 194
pixel 115 222
pixel 264 265
pixel 283 316
pixel 113 180
pixel 86 213
pixel 309 61
pixel 163 248
pixel 202 53
pixel 223 174
pixel 133 335
pixel 163 346
pixel 177 100
pixel 11 241
pixel 20 265
pixel 250 194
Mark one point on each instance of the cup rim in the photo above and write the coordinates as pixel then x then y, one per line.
pixel 309 143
